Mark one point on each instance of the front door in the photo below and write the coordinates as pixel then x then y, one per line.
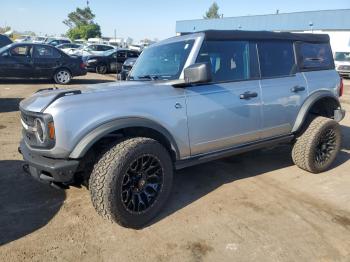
pixel 226 112
pixel 17 62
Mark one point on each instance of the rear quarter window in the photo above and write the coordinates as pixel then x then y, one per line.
pixel 315 56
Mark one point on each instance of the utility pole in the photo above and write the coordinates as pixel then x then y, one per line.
pixel 87 3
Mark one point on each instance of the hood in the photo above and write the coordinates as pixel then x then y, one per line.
pixel 42 99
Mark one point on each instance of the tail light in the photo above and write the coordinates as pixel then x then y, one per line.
pixel 341 88
pixel 82 65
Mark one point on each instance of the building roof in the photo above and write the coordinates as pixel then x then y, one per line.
pixel 298 21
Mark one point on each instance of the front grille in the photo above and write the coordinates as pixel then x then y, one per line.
pixel 28 136
pixel 344 67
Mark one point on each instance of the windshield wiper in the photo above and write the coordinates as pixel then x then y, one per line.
pixel 150 77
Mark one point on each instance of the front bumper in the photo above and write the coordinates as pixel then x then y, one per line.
pixel 344 73
pixel 48 170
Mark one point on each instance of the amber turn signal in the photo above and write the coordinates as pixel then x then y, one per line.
pixel 51 128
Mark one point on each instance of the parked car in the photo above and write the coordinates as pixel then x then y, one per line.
pixel 58 41
pixel 342 63
pixel 29 60
pixel 94 49
pixel 4 40
pixel 23 39
pixel 39 39
pixel 109 61
pixel 191 99
pixel 126 68
pixel 68 47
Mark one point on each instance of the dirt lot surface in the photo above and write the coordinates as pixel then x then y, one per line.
pixel 253 207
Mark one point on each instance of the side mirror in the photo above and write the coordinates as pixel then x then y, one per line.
pixel 198 73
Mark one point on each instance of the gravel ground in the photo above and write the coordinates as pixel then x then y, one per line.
pixel 253 207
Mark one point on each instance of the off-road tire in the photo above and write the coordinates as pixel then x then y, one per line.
pixel 304 152
pixel 106 181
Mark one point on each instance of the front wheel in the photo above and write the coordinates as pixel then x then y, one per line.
pixel 317 147
pixel 62 77
pixel 131 182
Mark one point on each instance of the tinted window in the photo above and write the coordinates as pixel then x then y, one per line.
pixel 276 59
pixel 46 52
pixel 133 54
pixel 121 54
pixel 20 51
pixel 229 59
pixel 313 56
pixel 104 48
pixel 91 48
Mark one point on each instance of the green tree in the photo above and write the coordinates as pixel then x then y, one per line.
pixel 213 12
pixel 81 24
pixel 84 32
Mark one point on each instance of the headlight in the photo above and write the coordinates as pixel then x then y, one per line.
pixel 91 61
pixel 40 130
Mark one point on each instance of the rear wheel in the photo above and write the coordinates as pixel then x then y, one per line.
pixel 131 182
pixel 62 76
pixel 101 69
pixel 317 147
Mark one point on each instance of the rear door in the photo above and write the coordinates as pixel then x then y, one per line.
pixel 283 88
pixel 226 112
pixel 46 60
pixel 316 62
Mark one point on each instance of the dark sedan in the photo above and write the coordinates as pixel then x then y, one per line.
pixel 28 60
pixel 127 66
pixel 110 61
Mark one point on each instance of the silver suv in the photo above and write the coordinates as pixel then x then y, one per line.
pixel 189 99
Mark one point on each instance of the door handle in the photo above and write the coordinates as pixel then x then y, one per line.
pixel 296 89
pixel 248 95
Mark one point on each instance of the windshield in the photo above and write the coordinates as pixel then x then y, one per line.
pixel 2 49
pixel 342 56
pixel 162 61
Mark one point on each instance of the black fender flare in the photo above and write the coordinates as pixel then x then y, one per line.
pixel 307 105
pixel 99 132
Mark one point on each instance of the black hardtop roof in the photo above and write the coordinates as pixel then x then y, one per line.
pixel 264 35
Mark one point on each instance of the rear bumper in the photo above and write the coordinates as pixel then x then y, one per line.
pixel 80 72
pixel 47 169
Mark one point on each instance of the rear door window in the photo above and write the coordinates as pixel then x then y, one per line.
pixel 46 52
pixel 313 56
pixel 276 59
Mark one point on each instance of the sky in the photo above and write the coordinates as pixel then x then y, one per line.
pixel 141 19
